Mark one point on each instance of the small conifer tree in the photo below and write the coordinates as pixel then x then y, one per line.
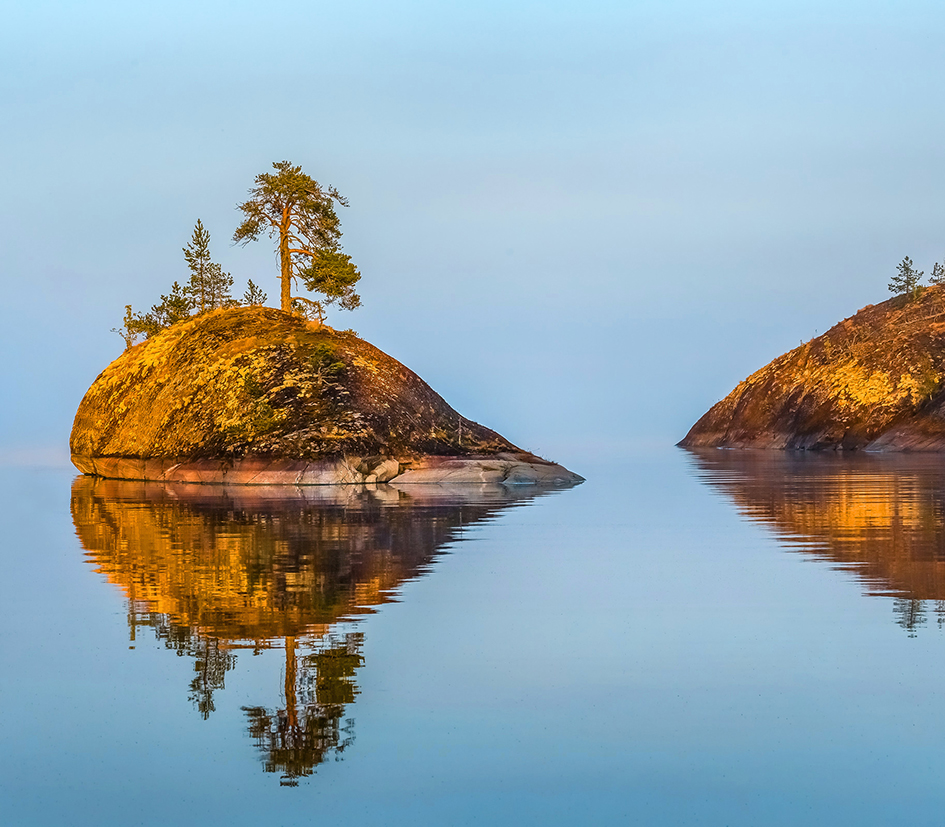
pixel 938 274
pixel 254 295
pixel 209 286
pixel 130 329
pixel 197 255
pixel 906 280
pixel 218 287
pixel 175 307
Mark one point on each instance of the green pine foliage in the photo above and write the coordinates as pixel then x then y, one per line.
pixel 906 280
pixel 218 288
pixel 175 307
pixel 197 256
pixel 208 288
pixel 130 329
pixel 333 275
pixel 254 295
pixel 296 211
pixel 938 274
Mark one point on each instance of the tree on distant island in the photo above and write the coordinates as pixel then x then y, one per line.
pixel 938 274
pixel 906 280
pixel 295 209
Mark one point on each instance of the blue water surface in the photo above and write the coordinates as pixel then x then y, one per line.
pixel 683 639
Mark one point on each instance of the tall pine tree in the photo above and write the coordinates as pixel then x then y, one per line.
pixel 300 214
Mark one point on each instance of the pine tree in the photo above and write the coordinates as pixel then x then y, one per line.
pixel 197 254
pixel 253 295
pixel 209 286
pixel 131 327
pixel 332 274
pixel 295 209
pixel 906 280
pixel 175 307
pixel 938 274
pixel 218 287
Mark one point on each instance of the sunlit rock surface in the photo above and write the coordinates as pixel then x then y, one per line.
pixel 253 395
pixel 875 381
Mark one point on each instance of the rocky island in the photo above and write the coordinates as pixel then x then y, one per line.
pixel 875 381
pixel 254 395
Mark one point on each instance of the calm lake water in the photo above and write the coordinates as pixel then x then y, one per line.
pixel 716 638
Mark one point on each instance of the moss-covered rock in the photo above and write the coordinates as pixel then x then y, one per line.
pixel 875 380
pixel 250 391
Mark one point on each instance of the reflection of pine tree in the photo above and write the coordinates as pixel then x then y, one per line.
pixel 294 740
pixel 940 612
pixel 910 614
pixel 211 663
pixel 212 574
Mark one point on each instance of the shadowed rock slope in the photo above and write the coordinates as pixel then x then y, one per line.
pixel 875 381
pixel 255 395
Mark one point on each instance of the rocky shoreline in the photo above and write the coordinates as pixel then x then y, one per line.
pixel 501 469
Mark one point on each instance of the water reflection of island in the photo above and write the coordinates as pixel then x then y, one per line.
pixel 880 517
pixel 213 570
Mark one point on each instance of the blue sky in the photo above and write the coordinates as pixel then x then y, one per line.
pixel 582 223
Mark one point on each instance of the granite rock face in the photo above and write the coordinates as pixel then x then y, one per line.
pixel 253 395
pixel 875 381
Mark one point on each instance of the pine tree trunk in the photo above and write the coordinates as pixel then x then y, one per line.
pixel 285 262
